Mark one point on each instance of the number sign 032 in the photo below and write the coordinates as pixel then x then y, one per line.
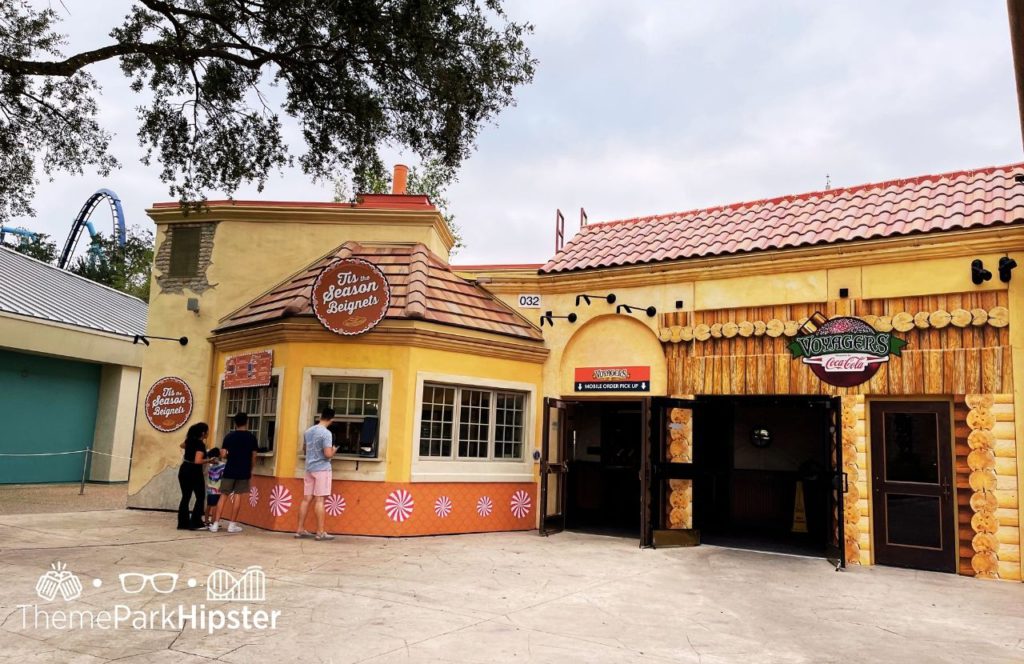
pixel 529 301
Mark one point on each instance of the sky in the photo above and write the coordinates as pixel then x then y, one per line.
pixel 652 107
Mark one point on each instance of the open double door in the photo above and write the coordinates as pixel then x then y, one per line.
pixel 670 484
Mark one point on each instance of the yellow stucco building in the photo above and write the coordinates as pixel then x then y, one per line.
pixel 832 374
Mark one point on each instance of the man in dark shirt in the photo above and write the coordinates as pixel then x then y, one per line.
pixel 240 448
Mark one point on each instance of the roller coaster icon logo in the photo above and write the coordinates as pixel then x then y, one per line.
pixel 250 586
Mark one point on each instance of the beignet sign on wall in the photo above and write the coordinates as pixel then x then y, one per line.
pixel 249 370
pixel 351 296
pixel 169 404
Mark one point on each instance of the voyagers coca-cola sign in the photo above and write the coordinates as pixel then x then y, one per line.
pixel 350 296
pixel 844 351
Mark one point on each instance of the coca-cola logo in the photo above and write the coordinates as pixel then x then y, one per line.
pixel 350 296
pixel 169 404
pixel 845 351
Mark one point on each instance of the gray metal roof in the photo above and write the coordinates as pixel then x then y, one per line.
pixel 32 288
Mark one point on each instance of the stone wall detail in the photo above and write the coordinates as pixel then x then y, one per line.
pixel 162 261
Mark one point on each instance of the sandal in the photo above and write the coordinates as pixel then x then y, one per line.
pixel 303 534
pixel 322 537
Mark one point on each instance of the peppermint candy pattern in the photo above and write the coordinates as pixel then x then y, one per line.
pixel 280 500
pixel 443 507
pixel 520 504
pixel 484 506
pixel 254 496
pixel 334 505
pixel 399 505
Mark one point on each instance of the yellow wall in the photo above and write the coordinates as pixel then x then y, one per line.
pixel 255 248
pixel 297 358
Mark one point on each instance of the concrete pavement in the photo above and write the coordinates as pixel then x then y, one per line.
pixel 490 598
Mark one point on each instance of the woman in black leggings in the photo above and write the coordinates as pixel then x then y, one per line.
pixel 190 477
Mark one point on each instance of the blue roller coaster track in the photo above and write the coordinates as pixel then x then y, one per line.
pixel 83 221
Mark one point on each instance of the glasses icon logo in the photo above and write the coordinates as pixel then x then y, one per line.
pixel 134 582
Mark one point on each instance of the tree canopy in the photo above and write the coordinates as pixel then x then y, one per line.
pixel 217 75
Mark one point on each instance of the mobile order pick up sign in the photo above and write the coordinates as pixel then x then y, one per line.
pixel 613 379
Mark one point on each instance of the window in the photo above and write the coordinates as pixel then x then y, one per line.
pixel 356 404
pixel 490 423
pixel 185 242
pixel 260 404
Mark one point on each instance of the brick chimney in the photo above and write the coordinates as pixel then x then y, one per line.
pixel 400 179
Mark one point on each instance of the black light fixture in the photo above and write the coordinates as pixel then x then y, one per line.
pixel 144 339
pixel 1006 266
pixel 979 274
pixel 609 298
pixel 550 318
pixel 628 308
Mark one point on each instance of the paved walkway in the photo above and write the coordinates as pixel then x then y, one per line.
pixel 37 498
pixel 493 598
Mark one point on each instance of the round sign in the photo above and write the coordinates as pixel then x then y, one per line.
pixel 846 351
pixel 350 296
pixel 169 404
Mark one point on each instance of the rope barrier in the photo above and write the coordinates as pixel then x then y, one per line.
pixel 37 454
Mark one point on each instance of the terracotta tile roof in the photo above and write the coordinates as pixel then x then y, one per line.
pixel 965 199
pixel 422 287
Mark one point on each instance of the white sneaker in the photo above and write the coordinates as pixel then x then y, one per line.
pixel 234 527
pixel 215 526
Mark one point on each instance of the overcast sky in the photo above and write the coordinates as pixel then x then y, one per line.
pixel 648 107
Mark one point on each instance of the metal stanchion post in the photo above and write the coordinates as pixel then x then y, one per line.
pixel 87 456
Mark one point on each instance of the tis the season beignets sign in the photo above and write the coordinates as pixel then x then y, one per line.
pixel 169 404
pixel 350 296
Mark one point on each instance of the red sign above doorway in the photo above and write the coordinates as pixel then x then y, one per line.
pixel 350 296
pixel 169 404
pixel 613 379
pixel 248 370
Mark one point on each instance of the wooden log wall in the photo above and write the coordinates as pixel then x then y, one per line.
pixel 957 344
pixel 962 473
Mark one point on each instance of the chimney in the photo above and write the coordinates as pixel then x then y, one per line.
pixel 400 179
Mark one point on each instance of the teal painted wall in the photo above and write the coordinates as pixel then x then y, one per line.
pixel 46 405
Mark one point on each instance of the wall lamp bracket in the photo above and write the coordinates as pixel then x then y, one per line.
pixel 979 274
pixel 144 339
pixel 1006 266
pixel 609 298
pixel 628 308
pixel 550 318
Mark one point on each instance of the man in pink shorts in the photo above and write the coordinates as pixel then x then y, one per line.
pixel 316 483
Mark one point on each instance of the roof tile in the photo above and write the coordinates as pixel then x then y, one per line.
pixel 930 203
pixel 422 287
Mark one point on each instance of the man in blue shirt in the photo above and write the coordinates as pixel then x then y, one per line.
pixel 319 442
pixel 240 448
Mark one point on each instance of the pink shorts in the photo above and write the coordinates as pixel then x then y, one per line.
pixel 317 483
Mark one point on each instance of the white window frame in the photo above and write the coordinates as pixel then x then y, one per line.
pixel 220 417
pixel 347 467
pixel 469 469
pixel 492 423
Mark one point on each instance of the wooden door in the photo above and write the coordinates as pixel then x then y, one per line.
pixel 663 417
pixel 553 466
pixel 913 503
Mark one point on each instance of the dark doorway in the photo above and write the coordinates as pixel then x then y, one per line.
pixel 912 485
pixel 757 459
pixel 603 476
